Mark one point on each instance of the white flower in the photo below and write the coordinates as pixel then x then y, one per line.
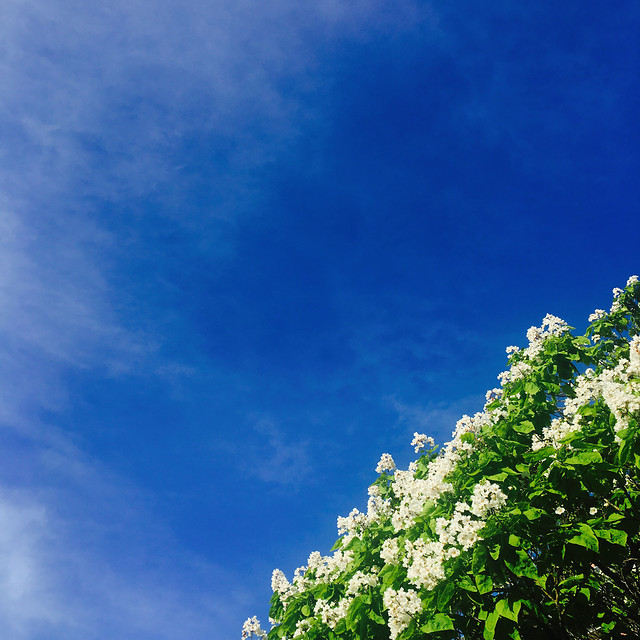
pixel 359 580
pixel 402 606
pixel 593 511
pixel 491 395
pixel 517 372
pixel 617 292
pixel 281 586
pixel 560 510
pixel 632 280
pixel 353 524
pixel 634 356
pixel 331 615
pixel 420 440
pixel 374 491
pixel 302 626
pixel 252 627
pixel 386 464
pixel 486 497
pixel 424 562
pixel 598 314
pixel 390 553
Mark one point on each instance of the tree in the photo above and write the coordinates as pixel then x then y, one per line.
pixel 525 525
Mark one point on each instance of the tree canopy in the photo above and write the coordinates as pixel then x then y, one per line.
pixel 525 525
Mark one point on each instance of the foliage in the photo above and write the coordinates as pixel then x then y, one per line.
pixel 525 525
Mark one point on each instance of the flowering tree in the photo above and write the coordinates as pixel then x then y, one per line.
pixel 525 525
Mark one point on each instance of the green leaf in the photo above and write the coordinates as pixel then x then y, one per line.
pixel 389 574
pixel 490 625
pixel 306 611
pixel 466 584
pixel 439 622
pixel 614 536
pixel 495 552
pixel 586 538
pixel 586 457
pixel 484 583
pixel 523 565
pixel 445 594
pixel 531 388
pixel 376 617
pixel 497 477
pixel 526 426
pixel 506 611
pixel 479 561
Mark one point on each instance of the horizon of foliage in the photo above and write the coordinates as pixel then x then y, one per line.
pixel 525 525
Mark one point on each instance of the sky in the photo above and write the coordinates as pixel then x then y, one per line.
pixel 247 246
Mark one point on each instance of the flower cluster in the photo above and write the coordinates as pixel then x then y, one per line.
pixel 252 627
pixel 551 326
pixel 420 441
pixel 618 387
pixel 402 605
pixel 487 497
pixel 386 464
pixel 332 614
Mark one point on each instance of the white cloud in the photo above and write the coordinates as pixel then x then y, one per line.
pixel 95 101
pixel 88 560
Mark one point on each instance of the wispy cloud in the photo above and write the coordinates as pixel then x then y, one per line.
pixel 434 419
pixel 275 458
pixel 108 113
pixel 84 557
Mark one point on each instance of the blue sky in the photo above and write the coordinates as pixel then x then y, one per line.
pixel 248 246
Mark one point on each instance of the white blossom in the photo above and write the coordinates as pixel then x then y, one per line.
pixel 402 606
pixel 281 586
pixel 386 464
pixel 420 440
pixel 332 614
pixel 487 497
pixel 374 491
pixel 302 626
pixel 360 580
pixel 598 314
pixel 252 627
pixel 390 552
pixel 424 561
